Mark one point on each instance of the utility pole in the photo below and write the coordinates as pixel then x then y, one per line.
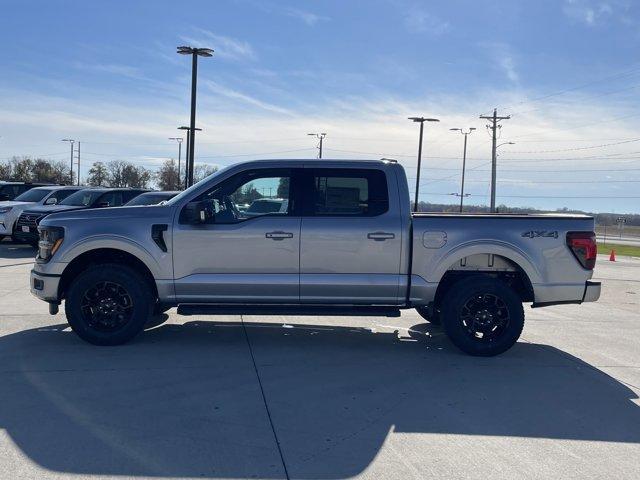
pixel 464 160
pixel 179 140
pixel 420 120
pixel 71 142
pixel 494 119
pixel 321 137
pixel 78 162
pixel 195 53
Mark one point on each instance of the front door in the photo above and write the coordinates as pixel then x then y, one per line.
pixel 250 251
pixel 351 238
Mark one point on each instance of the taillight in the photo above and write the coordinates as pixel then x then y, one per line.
pixel 584 247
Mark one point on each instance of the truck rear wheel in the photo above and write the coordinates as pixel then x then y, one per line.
pixel 108 304
pixel 482 316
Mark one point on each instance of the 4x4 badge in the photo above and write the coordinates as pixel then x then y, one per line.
pixel 540 233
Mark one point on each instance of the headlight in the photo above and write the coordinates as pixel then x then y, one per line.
pixel 50 240
pixel 5 209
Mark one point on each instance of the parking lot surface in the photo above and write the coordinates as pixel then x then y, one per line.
pixel 321 397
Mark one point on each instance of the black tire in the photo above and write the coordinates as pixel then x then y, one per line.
pixel 482 316
pixel 431 315
pixel 109 304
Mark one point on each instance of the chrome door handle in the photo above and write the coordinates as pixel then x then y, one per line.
pixel 380 236
pixel 278 235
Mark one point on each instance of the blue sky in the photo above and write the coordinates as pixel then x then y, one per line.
pixel 106 73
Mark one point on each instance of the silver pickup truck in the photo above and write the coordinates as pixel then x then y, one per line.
pixel 342 241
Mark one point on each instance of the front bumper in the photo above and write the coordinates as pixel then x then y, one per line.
pixel 45 286
pixel 591 291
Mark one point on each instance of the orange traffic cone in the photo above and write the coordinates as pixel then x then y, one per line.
pixel 612 257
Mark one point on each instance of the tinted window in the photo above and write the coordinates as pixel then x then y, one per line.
pixel 149 199
pixel 33 195
pixel 62 194
pixel 109 199
pixel 130 195
pixel 349 192
pixel 83 198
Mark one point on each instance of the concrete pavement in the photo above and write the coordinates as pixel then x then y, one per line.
pixel 312 398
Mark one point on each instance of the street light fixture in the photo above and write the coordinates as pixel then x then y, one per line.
pixel 195 53
pixel 464 161
pixel 420 120
pixel 71 142
pixel 186 166
pixel 319 136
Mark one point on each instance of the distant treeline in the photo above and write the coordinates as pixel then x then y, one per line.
pixel 601 218
pixel 116 173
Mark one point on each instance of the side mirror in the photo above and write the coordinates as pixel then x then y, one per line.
pixel 195 213
pixel 51 201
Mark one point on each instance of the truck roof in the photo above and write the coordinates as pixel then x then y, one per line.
pixel 323 161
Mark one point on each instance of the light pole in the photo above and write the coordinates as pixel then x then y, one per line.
pixel 179 140
pixel 494 177
pixel 420 120
pixel 195 53
pixel 464 160
pixel 71 142
pixel 186 163
pixel 320 136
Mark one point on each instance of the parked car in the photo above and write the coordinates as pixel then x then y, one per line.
pixel 266 205
pixel 11 210
pixel 347 243
pixel 151 198
pixel 26 227
pixel 10 190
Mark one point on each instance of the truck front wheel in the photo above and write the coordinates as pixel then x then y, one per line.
pixel 108 304
pixel 482 316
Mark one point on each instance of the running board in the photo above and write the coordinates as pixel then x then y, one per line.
pixel 300 310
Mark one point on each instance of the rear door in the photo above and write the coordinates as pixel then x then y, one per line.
pixel 351 237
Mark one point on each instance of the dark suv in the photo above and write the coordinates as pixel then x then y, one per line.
pixel 10 190
pixel 26 228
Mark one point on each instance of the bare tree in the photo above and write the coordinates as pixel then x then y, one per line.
pixel 125 174
pixel 167 176
pixel 26 169
pixel 98 175
pixel 202 171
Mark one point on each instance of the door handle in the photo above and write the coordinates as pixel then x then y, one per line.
pixel 278 235
pixel 380 236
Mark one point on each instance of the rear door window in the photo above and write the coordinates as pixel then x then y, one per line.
pixel 349 192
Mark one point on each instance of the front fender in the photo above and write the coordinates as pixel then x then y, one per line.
pixel 154 261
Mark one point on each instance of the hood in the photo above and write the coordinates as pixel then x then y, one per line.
pixel 154 213
pixel 47 209
pixel 13 203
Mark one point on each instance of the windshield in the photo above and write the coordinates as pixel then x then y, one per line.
pixel 83 198
pixel 33 195
pixel 149 199
pixel 187 193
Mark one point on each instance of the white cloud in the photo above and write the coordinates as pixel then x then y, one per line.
pixel 232 94
pixel 307 17
pixel 420 21
pixel 112 69
pixel 591 12
pixel 224 47
pixel 504 58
